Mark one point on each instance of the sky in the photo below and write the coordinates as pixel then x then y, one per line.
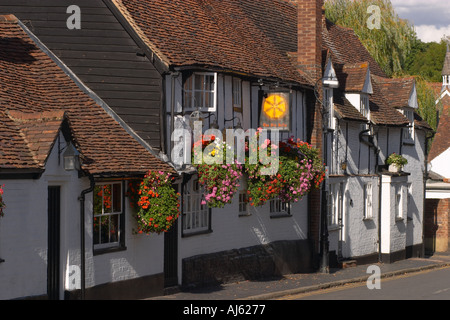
pixel 431 18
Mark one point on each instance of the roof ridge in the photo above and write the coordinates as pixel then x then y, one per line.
pixel 8 18
pixel 21 116
pixel 25 139
pixel 128 17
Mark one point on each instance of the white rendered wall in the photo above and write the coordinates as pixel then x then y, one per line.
pixel 233 232
pixel 23 238
pixel 440 164
pixel 415 154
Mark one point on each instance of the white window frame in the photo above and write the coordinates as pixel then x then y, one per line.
pixel 364 105
pixel 335 205
pixel 192 105
pixel 408 133
pixel 237 93
pixel 196 216
pixel 103 214
pixel 279 208
pixel 243 204
pixel 398 202
pixel 368 201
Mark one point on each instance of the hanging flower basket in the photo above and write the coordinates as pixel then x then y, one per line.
pixel 219 180
pixel 2 203
pixel 156 202
pixel 300 171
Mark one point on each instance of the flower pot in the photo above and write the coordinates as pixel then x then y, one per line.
pixel 394 168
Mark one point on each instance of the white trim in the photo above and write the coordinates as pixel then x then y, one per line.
pixel 412 102
pixel 330 79
pixel 446 92
pixel 108 214
pixel 193 90
pixel 368 89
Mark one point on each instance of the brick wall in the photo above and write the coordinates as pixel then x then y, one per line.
pixel 437 225
pixel 309 59
pixel 309 24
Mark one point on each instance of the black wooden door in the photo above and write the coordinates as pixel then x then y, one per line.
pixel 53 255
pixel 171 256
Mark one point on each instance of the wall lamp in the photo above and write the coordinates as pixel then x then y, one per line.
pixel 71 158
pixel 239 125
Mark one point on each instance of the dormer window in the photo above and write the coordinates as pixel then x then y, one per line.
pixel 200 90
pixel 408 133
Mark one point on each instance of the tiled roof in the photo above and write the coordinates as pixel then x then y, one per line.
pixel 35 94
pixel 396 91
pixel 345 109
pixel 244 36
pixel 39 131
pixel 346 48
pixel 254 37
pixel 441 140
pixel 381 113
pixel 352 76
pixel 419 122
pixel 14 151
pixel 437 88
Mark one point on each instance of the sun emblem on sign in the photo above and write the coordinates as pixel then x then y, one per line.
pixel 275 106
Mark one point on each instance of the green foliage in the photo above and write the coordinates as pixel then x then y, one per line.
pixel 427 101
pixel 157 203
pixel 426 60
pixel 390 45
pixel 396 159
pixel 395 47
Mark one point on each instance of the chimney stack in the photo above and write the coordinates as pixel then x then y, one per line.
pixel 309 33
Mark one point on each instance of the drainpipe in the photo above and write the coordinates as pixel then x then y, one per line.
pixel 82 200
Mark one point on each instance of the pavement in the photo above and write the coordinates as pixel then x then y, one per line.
pixel 271 289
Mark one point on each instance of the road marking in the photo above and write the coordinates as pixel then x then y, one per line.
pixel 361 284
pixel 441 291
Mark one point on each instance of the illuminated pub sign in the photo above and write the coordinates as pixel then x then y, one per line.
pixel 275 111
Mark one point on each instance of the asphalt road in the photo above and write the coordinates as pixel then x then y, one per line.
pixel 427 285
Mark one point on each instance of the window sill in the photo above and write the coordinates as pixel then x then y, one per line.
pixel 245 214
pixel 334 227
pixel 399 219
pixel 98 252
pixel 197 233
pixel 368 219
pixel 280 215
pixel 409 142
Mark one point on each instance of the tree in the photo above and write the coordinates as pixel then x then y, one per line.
pixel 394 46
pixel 390 44
pixel 427 61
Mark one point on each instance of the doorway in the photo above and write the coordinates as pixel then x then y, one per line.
pixel 54 242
